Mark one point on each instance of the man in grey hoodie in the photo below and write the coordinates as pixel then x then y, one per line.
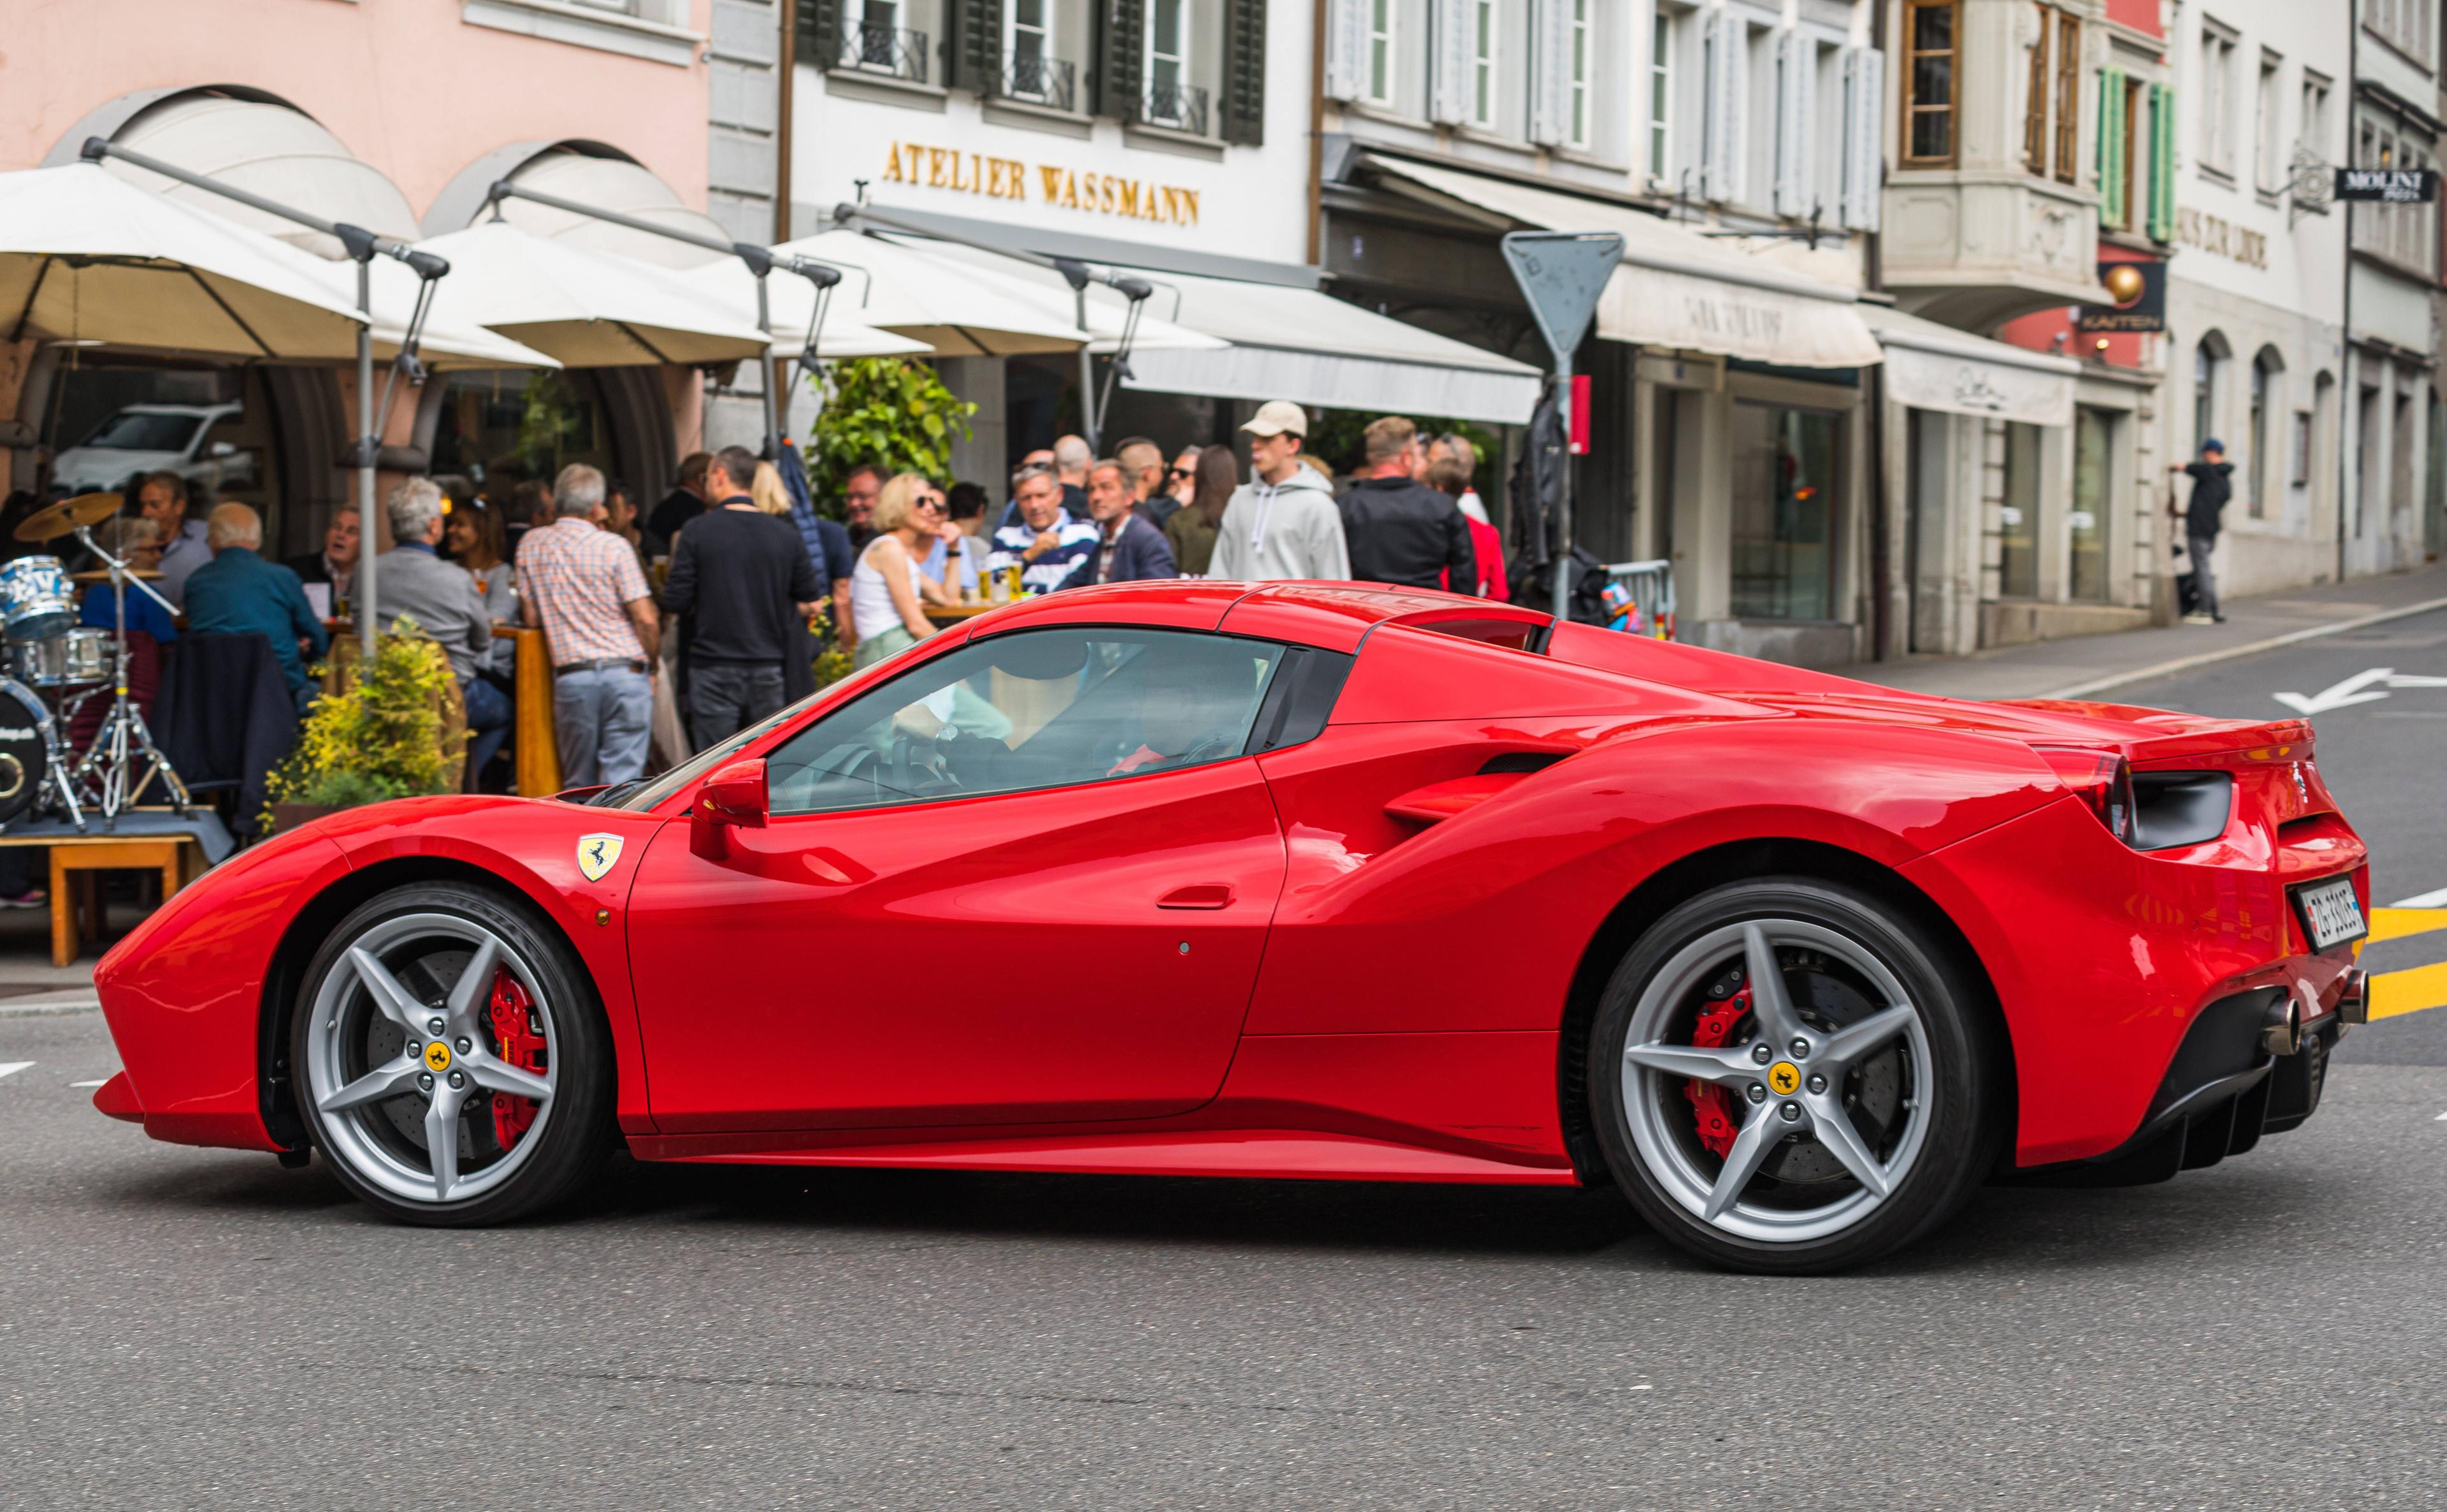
pixel 1283 523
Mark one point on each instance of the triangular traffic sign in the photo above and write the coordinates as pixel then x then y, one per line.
pixel 1561 274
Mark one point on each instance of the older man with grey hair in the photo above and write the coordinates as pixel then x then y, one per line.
pixel 583 587
pixel 237 593
pixel 411 581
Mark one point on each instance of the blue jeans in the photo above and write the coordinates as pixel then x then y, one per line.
pixel 488 723
pixel 727 697
pixel 603 718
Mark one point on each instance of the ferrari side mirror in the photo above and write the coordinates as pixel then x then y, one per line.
pixel 735 795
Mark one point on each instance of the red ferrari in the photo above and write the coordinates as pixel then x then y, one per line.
pixel 1300 880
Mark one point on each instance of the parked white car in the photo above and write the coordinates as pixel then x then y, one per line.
pixel 158 438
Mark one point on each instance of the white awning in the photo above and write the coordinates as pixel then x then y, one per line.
pixel 267 150
pixel 1312 348
pixel 1677 289
pixel 1935 367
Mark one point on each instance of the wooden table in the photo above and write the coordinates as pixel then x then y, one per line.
pixel 954 614
pixel 538 746
pixel 75 859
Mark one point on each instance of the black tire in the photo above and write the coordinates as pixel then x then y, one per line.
pixel 570 1139
pixel 1949 1156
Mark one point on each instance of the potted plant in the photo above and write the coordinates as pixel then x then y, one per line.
pixel 397 733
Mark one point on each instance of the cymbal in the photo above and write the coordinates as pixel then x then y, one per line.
pixel 103 574
pixel 66 516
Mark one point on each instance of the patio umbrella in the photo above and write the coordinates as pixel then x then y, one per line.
pixel 900 290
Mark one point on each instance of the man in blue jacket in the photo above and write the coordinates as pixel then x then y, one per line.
pixel 237 593
pixel 1129 549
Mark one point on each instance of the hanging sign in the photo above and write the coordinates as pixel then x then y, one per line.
pixel 2140 291
pixel 2389 186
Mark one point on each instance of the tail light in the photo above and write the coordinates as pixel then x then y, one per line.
pixel 2103 780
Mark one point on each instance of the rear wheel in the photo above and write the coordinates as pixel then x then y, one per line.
pixel 455 1070
pixel 1787 1077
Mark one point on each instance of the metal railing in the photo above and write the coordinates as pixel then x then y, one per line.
pixel 1641 593
pixel 1039 80
pixel 893 51
pixel 1181 107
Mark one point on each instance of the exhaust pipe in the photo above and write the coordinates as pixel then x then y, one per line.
pixel 2280 1028
pixel 2353 1003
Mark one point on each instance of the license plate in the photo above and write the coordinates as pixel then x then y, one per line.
pixel 2331 914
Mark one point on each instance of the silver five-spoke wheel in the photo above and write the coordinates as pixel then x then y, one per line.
pixel 429 1056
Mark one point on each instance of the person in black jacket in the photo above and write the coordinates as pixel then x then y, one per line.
pixel 2212 485
pixel 1398 528
pixel 743 574
pixel 1129 549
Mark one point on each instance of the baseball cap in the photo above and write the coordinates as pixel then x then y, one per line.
pixel 1276 416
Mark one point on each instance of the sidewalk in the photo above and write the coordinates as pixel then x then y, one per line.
pixel 2089 666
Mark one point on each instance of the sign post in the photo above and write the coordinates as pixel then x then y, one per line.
pixel 1560 275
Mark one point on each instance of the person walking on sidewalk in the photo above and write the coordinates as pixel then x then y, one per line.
pixel 2211 487
pixel 1282 523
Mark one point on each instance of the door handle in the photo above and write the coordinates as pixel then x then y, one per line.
pixel 1198 895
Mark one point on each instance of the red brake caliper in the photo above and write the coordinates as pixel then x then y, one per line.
pixel 518 1038
pixel 1710 1104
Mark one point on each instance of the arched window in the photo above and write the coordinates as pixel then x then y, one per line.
pixel 2207 359
pixel 2268 392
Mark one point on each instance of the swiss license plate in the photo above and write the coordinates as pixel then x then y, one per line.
pixel 2331 914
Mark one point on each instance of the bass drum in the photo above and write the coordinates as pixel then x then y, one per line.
pixel 25 748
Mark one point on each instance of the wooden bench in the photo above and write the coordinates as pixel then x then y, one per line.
pixel 76 858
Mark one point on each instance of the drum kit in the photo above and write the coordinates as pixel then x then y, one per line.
pixel 56 667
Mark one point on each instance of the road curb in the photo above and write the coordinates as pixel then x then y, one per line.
pixel 2207 658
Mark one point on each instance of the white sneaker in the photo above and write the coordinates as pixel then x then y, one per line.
pixel 2199 619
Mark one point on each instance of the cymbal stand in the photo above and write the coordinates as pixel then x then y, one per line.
pixel 124 737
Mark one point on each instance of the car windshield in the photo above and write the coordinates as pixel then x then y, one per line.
pixel 144 430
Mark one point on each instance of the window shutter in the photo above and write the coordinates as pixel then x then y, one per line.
pixel 1865 115
pixel 1346 48
pixel 1122 25
pixel 1244 72
pixel 972 58
pixel 1728 105
pixel 2112 149
pixel 819 35
pixel 1795 95
pixel 1550 95
pixel 1448 80
pixel 2161 225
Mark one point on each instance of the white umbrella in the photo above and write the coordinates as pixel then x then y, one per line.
pixel 1107 309
pixel 900 290
pixel 589 309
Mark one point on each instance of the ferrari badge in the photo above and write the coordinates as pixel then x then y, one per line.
pixel 1785 1077
pixel 596 854
pixel 437 1056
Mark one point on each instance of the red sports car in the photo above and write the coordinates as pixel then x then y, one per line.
pixel 1300 880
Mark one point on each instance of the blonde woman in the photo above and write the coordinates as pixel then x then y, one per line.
pixel 765 488
pixel 887 593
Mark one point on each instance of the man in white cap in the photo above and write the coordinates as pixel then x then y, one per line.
pixel 1283 523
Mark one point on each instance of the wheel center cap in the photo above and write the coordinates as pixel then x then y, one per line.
pixel 437 1057
pixel 1784 1076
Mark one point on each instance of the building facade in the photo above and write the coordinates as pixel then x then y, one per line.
pixel 2392 343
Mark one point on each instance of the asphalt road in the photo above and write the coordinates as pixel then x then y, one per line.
pixel 184 1328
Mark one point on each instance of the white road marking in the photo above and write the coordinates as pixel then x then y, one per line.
pixel 2362 687
pixel 2437 899
pixel 12 1068
pixel 96 1083
pixel 2440 1119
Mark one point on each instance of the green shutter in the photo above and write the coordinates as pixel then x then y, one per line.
pixel 2161 224
pixel 2111 148
pixel 1244 71
pixel 1121 42
pixel 819 38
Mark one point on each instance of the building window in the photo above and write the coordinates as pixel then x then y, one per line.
pixel 1482 63
pixel 2068 98
pixel 2217 102
pixel 2017 524
pixel 1171 99
pixel 1784 464
pixel 2086 522
pixel 1034 73
pixel 1381 52
pixel 2035 104
pixel 2298 470
pixel 1580 60
pixel 2204 377
pixel 1930 31
pixel 2265 370
pixel 2269 123
pixel 2403 24
pixel 1660 95
pixel 2120 172
pixel 2311 131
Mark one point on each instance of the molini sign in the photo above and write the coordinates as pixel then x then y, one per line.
pixel 997 177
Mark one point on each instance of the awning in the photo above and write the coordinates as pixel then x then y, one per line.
pixel 1677 289
pixel 1934 367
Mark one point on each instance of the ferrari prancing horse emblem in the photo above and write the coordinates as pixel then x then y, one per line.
pixel 1785 1077
pixel 596 854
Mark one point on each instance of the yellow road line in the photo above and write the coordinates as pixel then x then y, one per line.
pixel 2394 923
pixel 2408 991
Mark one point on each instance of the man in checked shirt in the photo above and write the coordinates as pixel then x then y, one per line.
pixel 581 585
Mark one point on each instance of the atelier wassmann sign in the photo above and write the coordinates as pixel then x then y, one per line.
pixel 2391 186
pixel 2138 291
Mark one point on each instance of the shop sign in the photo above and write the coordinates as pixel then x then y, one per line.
pixel 2213 233
pixel 1968 386
pixel 2390 186
pixel 997 177
pixel 2140 291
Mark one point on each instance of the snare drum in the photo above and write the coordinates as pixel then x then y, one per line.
pixel 81 655
pixel 36 600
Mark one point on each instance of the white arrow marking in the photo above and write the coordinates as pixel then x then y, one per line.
pixel 2354 690
pixel 2437 899
pixel 12 1068
pixel 80 1086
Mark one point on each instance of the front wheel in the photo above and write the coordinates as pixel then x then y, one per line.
pixel 1787 1077
pixel 454 1065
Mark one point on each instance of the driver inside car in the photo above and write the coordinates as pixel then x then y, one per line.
pixel 1185 721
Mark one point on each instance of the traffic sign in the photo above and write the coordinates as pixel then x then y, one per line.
pixel 1561 274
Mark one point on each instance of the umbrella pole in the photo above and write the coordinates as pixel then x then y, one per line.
pixel 1087 374
pixel 764 374
pixel 366 447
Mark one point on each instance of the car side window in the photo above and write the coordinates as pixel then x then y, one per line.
pixel 1040 709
